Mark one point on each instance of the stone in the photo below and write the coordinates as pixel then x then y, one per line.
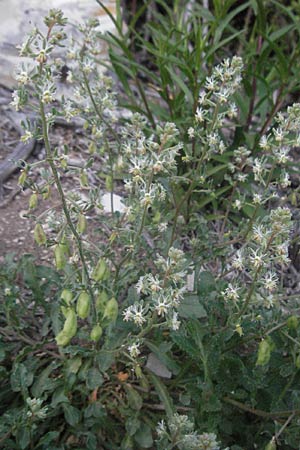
pixel 17 18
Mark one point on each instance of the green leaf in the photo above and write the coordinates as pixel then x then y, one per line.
pixel 23 438
pixel 94 378
pixel 191 308
pixel 43 382
pixel 144 436
pixel 162 393
pixel 20 378
pixel 132 425
pixel 105 359
pixel 72 415
pixel 59 397
pixel 134 399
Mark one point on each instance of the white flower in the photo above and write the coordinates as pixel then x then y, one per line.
pixel 257 259
pixel 47 96
pixel 16 102
pixel 259 234
pixel 282 155
pixel 257 199
pixel 270 281
pixel 22 77
pixel 238 261
pixel 263 143
pixel 191 132
pixel 134 350
pixel 175 323
pixel 232 111
pixel 162 307
pixel 163 226
pixel 200 115
pixel 231 293
pixel 284 180
pixel 27 136
pixel 135 313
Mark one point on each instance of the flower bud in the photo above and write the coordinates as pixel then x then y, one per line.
pixel 39 235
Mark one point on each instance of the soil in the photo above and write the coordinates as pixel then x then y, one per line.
pixel 16 220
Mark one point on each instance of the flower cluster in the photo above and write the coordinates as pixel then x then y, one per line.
pixel 161 293
pixel 180 431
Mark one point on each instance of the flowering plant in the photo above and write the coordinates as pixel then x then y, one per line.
pixel 171 351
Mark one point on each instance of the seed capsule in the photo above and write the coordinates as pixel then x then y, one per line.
pixel 101 271
pixel 33 201
pixel 271 445
pixel 22 178
pixel 83 305
pixel 109 183
pixel 96 333
pixel 292 322
pixel 101 302
pixel 59 254
pixel 67 296
pixel 39 235
pixel 70 325
pixel 81 223
pixel 264 353
pixel 111 310
pixel 62 339
pixel 84 182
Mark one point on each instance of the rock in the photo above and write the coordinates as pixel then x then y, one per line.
pixel 17 18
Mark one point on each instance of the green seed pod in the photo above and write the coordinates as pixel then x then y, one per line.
pixel 46 192
pixel 92 148
pixel 292 322
pixel 101 271
pixel 81 223
pixel 138 371
pixel 67 296
pixel 84 182
pixel 33 201
pixel 83 305
pixel 297 362
pixel 96 333
pixel 62 339
pixel 111 310
pixel 271 445
pixel 22 178
pixel 264 353
pixel 101 302
pixel 39 235
pixel 70 325
pixel 59 254
pixel 109 183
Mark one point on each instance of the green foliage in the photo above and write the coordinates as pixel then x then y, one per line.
pixel 174 328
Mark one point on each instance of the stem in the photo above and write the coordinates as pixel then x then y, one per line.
pixel 259 412
pixel 97 110
pixel 77 237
